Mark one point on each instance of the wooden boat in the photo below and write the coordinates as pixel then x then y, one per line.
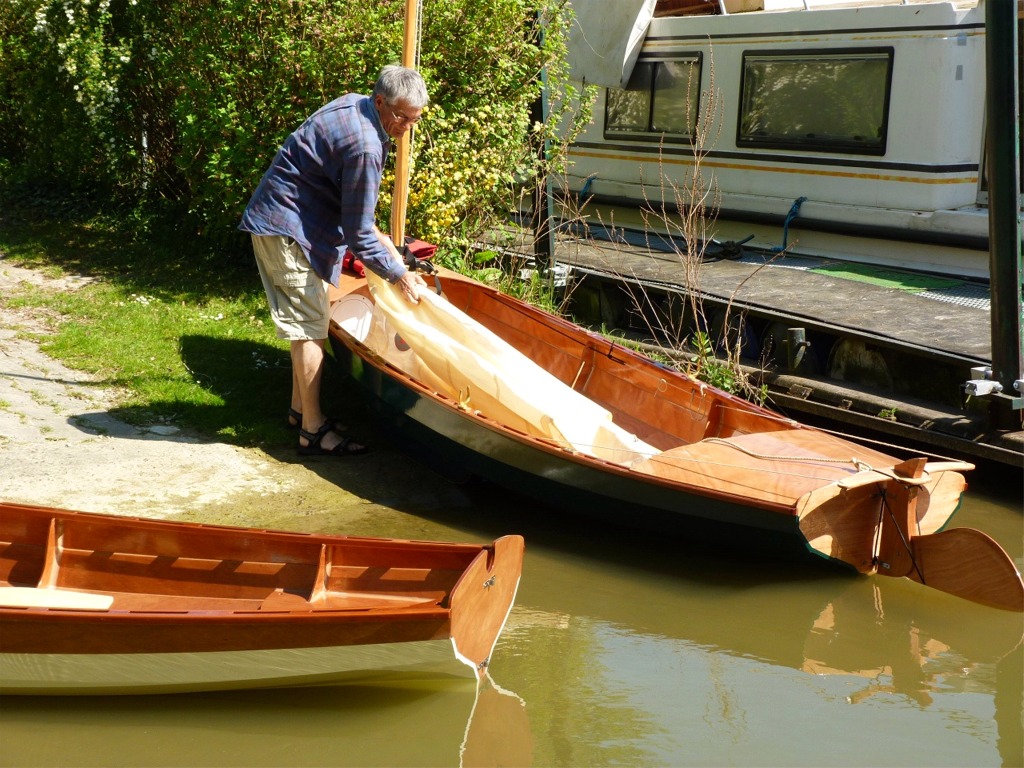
pixel 97 604
pixel 842 129
pixel 508 392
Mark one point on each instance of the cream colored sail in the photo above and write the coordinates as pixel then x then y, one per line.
pixel 453 354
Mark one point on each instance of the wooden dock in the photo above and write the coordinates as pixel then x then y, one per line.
pixel 889 352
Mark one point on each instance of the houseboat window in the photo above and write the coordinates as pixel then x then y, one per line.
pixel 827 101
pixel 661 100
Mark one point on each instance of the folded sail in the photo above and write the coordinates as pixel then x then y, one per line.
pixel 452 353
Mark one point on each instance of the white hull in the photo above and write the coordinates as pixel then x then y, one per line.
pixel 939 258
pixel 107 674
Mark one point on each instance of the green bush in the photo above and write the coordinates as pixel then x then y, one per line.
pixel 181 104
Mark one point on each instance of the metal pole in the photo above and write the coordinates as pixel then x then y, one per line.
pixel 543 204
pixel 1002 157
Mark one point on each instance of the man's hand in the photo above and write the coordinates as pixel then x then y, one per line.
pixel 410 284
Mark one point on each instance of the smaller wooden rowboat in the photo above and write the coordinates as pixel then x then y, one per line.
pixel 97 604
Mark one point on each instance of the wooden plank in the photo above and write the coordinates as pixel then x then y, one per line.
pixel 482 599
pixel 323 571
pixel 802 295
pixel 54 544
pixel 899 519
pixel 841 524
pixel 967 563
pixel 884 474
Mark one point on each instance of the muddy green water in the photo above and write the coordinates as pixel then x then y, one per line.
pixel 621 651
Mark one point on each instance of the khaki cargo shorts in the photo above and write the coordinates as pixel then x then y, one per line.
pixel 297 295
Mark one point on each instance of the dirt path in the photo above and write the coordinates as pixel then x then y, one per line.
pixel 59 446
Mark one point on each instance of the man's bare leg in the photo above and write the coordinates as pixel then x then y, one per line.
pixel 307 373
pixel 296 404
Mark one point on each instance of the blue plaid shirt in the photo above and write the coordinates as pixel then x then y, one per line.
pixel 321 189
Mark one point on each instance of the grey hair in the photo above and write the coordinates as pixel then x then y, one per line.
pixel 397 83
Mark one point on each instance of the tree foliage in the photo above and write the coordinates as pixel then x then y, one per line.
pixel 182 103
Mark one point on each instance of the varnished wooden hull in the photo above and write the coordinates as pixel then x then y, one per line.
pixel 491 386
pixel 684 414
pixel 461 445
pixel 194 608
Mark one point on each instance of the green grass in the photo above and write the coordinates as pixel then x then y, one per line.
pixel 888 278
pixel 180 331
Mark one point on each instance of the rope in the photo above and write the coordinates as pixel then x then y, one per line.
pixel 793 211
pixel 882 443
pixel 876 544
pixel 656 457
pixel 770 457
pixel 906 544
pixel 861 466
pixel 705 462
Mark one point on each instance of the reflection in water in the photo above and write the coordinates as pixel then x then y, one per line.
pixel 917 663
pixel 627 650
pixel 404 723
pixel 498 730
pixel 701 660
pixel 904 674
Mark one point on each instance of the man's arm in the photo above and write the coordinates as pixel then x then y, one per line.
pixel 410 282
pixel 360 184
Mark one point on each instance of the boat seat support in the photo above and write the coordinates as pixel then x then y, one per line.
pixel 54 547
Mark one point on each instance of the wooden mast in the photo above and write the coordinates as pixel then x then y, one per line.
pixel 401 193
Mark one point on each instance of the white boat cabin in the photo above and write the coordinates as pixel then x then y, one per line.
pixel 854 129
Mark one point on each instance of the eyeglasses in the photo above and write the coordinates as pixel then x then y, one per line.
pixel 403 118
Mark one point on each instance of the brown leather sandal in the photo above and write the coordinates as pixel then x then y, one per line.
pixel 347 446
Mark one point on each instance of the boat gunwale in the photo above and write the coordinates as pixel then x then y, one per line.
pixel 234 530
pixel 309 616
pixel 428 557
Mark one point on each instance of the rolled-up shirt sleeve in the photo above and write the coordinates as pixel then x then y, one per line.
pixel 360 182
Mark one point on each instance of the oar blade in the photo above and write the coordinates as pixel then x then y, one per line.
pixel 967 563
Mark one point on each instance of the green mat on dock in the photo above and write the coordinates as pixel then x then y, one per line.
pixel 887 278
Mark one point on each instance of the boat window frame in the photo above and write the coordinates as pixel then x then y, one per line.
pixel 695 58
pixel 849 146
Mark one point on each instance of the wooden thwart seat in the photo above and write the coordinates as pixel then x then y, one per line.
pixel 67 599
pixel 62 570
